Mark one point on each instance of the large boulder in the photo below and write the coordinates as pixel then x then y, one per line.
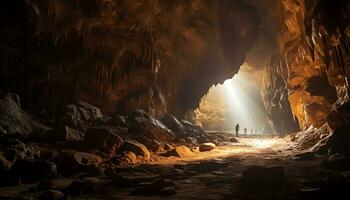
pixel 180 151
pixel 80 115
pixel 135 147
pixel 173 124
pixel 14 121
pixel 144 124
pixel 31 170
pixel 152 145
pixel 105 139
pixel 192 130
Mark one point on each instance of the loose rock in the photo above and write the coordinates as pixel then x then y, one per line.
pixel 207 146
pixel 135 147
pixel 180 151
pixel 104 139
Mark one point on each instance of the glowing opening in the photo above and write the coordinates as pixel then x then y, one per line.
pixel 237 100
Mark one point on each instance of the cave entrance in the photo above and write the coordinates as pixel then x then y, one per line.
pixel 236 100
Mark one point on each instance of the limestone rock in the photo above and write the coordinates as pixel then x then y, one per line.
pixel 208 146
pixel 80 115
pixel 144 124
pixel 173 124
pixel 135 147
pixel 152 145
pixel 104 139
pixel 180 151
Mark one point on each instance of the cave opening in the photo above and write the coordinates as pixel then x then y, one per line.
pixel 236 100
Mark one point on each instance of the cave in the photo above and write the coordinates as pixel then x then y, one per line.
pixel 174 99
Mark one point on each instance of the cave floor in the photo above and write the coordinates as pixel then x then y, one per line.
pixel 214 174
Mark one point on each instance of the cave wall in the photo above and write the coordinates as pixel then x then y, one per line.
pixel 157 55
pixel 312 65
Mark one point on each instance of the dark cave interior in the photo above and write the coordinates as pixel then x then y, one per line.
pixel 121 99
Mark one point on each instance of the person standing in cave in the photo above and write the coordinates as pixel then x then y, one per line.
pixel 237 129
pixel 245 131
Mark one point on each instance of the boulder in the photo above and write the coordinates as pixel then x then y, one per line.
pixel 180 151
pixel 233 140
pixel 31 170
pixel 264 179
pixel 173 124
pixel 192 130
pixel 152 145
pixel 14 122
pixel 143 124
pixel 51 195
pixel 104 139
pixel 208 146
pixel 135 147
pixel 69 162
pixel 64 133
pixel 80 115
pixel 127 158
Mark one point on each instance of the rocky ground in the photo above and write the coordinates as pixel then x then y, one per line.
pixel 80 153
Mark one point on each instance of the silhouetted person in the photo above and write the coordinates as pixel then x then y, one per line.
pixel 245 131
pixel 237 129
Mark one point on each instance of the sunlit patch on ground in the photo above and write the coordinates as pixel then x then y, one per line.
pixel 252 145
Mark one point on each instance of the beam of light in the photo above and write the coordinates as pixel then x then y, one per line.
pixel 243 107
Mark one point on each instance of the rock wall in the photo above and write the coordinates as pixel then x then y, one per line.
pixel 157 55
pixel 312 63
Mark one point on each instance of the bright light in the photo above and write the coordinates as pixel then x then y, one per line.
pixel 237 100
pixel 243 107
pixel 262 143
